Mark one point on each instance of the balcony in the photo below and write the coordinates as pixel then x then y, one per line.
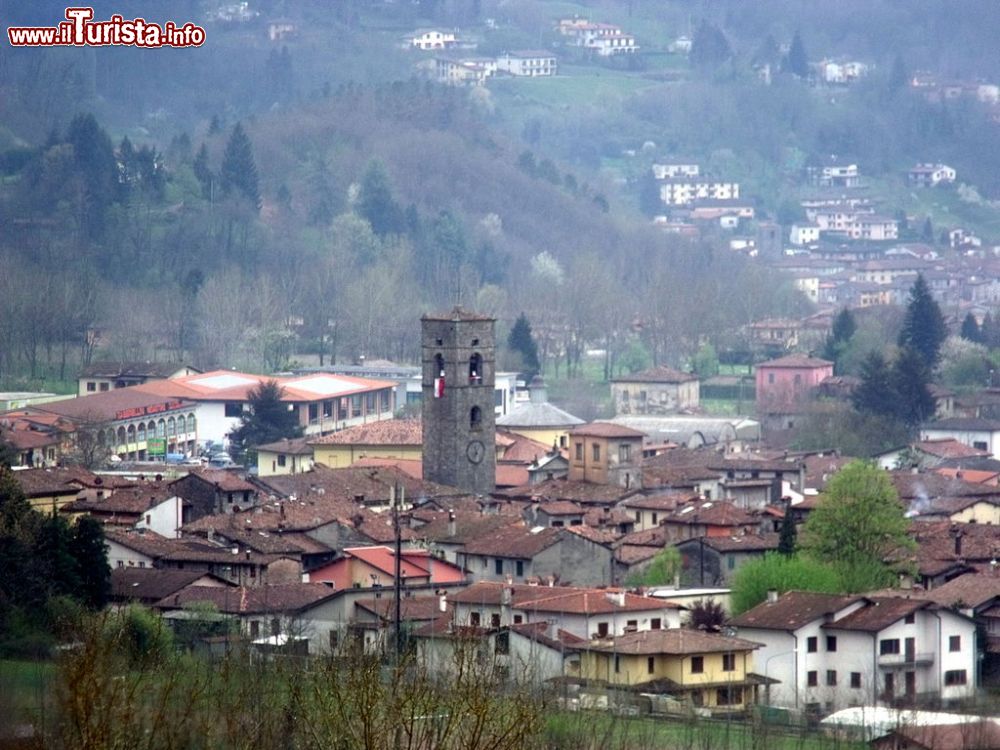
pixel 908 659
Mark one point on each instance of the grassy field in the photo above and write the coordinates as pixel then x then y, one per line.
pixel 943 205
pixel 575 86
pixel 24 689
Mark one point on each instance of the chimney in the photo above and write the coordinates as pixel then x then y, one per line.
pixel 443 602
pixel 452 526
pixel 537 391
pixel 956 533
pixel 772 596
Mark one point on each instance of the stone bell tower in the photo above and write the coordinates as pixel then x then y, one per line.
pixel 458 353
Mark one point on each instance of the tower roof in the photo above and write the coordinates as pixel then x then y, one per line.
pixel 458 314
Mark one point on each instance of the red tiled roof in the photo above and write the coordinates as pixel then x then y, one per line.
pixel 949 448
pixel 792 610
pixel 878 614
pixel 272 598
pixel 385 432
pixel 225 480
pixel 514 541
pixel 656 375
pixel 606 430
pixel 795 361
pixel 673 641
pixel 412 608
pixel 710 513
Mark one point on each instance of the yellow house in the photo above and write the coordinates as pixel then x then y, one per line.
pixel 287 456
pixel 709 670
pixel 390 438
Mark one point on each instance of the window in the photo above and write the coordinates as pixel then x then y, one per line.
pixel 104 387
pixel 234 409
pixel 518 619
pixel 495 620
pixel 831 643
pixel 281 459
pixel 597 451
pixel 798 379
pixel 474 619
pixel 633 624
pixel 498 566
pixel 579 451
pixel 502 643
pixel 91 387
pixel 728 696
pixel 831 677
pixel 731 562
pixel 602 630
pixel 313 412
pixel 770 378
pixel 911 618
pixel 519 567
pixel 955 677
pixel 121 563
pixel 812 644
pixel 655 624
pixel 888 646
pixel 697 664
pixel 253 571
pixel 654 519
pixel 475 369
pixel 618 664
pixel 979 445
pixel 334 640
pixel 624 453
pixel 729 662
pixel 651 664
pixel 254 628
pixel 812 678
pixel 856 680
pixel 475 418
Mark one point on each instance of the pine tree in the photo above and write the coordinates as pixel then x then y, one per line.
pixel 522 341
pixel 841 332
pixel 709 48
pixel 874 395
pixel 93 571
pixel 970 329
pixel 796 61
pixel 238 174
pixel 787 537
pixel 97 170
pixel 267 420
pixel 924 328
pixel 203 173
pixel 376 203
pixel 909 379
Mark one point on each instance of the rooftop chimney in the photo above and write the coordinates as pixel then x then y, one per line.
pixel 452 526
pixel 537 391
pixel 772 596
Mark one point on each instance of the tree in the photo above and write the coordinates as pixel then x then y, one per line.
pixel 924 329
pixel 775 572
pixel 522 341
pixel 910 378
pixel 843 329
pixel 874 394
pixel 708 615
pixel 787 537
pixel 267 420
pixel 238 173
pixel 858 527
pixel 662 571
pixel 96 168
pixel 87 547
pixel 650 202
pixel 796 61
pixel 709 47
pixel 970 329
pixel 376 203
pixel 203 173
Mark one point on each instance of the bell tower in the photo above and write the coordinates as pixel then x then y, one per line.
pixel 458 354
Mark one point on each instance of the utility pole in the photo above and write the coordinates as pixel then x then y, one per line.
pixel 396 498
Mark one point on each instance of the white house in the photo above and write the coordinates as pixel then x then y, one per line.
pixel 527 63
pixel 930 175
pixel 431 39
pixel 684 191
pixel 804 234
pixel 831 651
pixel 975 432
pixel 676 168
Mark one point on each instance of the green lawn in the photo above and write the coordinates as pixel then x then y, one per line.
pixel 943 204
pixel 575 86
pixel 24 688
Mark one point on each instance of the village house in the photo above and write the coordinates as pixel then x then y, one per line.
pixel 657 390
pixel 430 39
pixel 841 72
pixel 685 191
pixel 603 39
pixel 832 651
pixel 464 71
pixel 834 173
pixel 708 518
pixel 390 438
pixel 804 234
pixel 705 670
pixel 527 63
pixel 676 168
pixel 714 560
pixel 210 491
pixel 975 432
pixel 146 586
pixel 786 382
pixel 155 506
pixel 930 175
pixel 285 456
pixel 105 376
pixel 538 419
pixel 375 567
pixel 606 453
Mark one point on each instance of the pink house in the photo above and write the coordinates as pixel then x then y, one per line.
pixel 366 567
pixel 784 382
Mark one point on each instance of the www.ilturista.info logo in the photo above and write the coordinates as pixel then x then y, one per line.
pixel 80 30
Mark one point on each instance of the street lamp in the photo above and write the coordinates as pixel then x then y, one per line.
pixel 767 663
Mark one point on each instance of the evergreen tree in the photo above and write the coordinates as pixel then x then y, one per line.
pixel 376 204
pixel 238 173
pixel 650 202
pixel 796 61
pixel 203 173
pixel 970 329
pixel 924 328
pixel 841 332
pixel 909 378
pixel 93 571
pixel 97 170
pixel 874 395
pixel 787 537
pixel 267 420
pixel 55 566
pixel 709 47
pixel 927 234
pixel 522 341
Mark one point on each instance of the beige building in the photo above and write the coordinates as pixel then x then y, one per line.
pixel 659 390
pixel 284 457
pixel 539 420
pixel 606 453
pixel 391 438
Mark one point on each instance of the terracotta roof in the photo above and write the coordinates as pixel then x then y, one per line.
pixel 521 448
pixel 511 475
pixel 877 614
pixel 969 590
pixel 385 432
pixel 606 430
pixel 710 513
pixel 969 475
pixel 975 735
pixel 936 542
pixel 630 554
pixel 151 584
pixel 667 501
pixel 948 448
pixel 673 641
pixel 291 446
pixel 970 424
pixel 131 369
pixel 796 361
pixel 929 486
pixel 561 508
pixel 820 469
pixel 412 608
pixel 567 489
pixel 226 481
pixel 227 385
pixel 792 610
pixel 271 598
pixel 598 535
pixel 413 467
pixel 562 599
pixel 42 482
pixel 105 407
pixel 468 526
pixel 655 537
pixel 742 543
pixel 149 543
pixel 515 541
pixel 660 374
pixel 128 501
pixel 364 484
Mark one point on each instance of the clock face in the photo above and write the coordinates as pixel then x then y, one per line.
pixel 475 451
